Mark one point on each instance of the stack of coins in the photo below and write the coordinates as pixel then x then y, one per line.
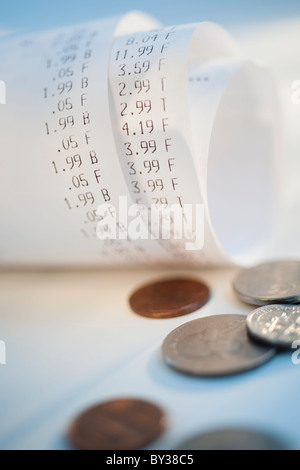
pixel 233 439
pixel 275 287
pixel 214 346
pixel 211 346
pixel 277 282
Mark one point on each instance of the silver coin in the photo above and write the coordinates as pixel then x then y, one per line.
pixel 278 325
pixel 232 439
pixel 269 283
pixel 214 346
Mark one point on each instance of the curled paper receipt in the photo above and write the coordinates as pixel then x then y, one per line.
pixel 124 142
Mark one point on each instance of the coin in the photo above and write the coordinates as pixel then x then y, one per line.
pixel 278 325
pixel 214 346
pixel 122 424
pixel 169 298
pixel 277 282
pixel 233 439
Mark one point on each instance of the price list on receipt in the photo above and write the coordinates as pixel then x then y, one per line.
pixel 117 119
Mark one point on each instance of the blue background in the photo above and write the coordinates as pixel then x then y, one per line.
pixel 32 15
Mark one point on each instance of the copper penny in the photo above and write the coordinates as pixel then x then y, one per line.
pixel 169 298
pixel 122 424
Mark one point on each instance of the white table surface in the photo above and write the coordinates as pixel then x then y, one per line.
pixel 73 341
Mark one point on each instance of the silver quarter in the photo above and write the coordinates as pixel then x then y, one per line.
pixel 269 283
pixel 278 325
pixel 214 346
pixel 232 439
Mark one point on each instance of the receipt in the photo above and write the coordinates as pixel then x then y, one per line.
pixel 131 119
